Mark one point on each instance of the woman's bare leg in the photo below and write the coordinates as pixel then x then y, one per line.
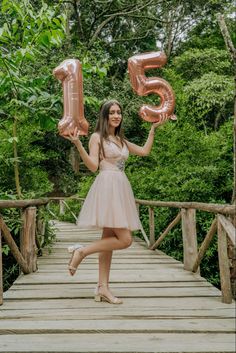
pixel 105 259
pixel 122 239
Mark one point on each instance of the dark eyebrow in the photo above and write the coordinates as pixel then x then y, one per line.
pixel 113 110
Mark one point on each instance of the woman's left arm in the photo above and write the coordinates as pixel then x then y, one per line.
pixel 146 149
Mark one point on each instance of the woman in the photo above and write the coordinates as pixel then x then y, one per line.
pixel 110 203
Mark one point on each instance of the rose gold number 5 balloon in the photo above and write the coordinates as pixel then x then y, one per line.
pixel 143 85
pixel 70 73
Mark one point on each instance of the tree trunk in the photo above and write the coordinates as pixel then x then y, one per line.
pixel 16 164
pixel 232 51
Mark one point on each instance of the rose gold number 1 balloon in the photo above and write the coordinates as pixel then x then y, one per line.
pixel 70 73
pixel 143 85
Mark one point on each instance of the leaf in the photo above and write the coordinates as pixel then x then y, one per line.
pixel 12 139
pixel 5 249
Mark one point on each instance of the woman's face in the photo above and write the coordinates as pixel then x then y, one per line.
pixel 115 117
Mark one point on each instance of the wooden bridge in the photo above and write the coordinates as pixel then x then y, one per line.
pixel 166 308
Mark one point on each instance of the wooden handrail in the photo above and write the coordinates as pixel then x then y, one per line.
pixel 229 228
pixel 213 208
pixel 23 203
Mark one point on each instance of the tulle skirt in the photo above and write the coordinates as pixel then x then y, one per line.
pixel 109 203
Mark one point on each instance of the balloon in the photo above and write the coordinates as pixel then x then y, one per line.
pixel 69 72
pixel 143 85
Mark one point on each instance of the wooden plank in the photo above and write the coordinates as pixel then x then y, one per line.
pixel 133 304
pixel 116 266
pixel 173 285
pixel 104 314
pixel 104 342
pixel 116 276
pixel 164 310
pixel 43 261
pixel 74 292
pixel 118 326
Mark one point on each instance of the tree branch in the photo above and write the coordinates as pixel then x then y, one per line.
pixel 80 29
pixel 131 10
pixel 226 36
pixel 111 17
pixel 130 39
pixel 232 51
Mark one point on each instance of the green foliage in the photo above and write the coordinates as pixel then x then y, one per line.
pixel 210 100
pixel 194 63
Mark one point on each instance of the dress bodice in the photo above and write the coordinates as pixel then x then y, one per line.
pixel 115 156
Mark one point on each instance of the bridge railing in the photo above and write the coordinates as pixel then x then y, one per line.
pixel 223 225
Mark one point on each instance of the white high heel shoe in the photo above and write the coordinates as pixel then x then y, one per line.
pixel 71 249
pixel 74 247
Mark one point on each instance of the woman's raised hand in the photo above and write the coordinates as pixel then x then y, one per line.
pixel 163 118
pixel 74 136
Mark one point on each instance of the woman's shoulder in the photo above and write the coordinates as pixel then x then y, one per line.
pixel 95 137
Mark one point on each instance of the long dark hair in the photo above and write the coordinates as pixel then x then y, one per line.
pixel 102 126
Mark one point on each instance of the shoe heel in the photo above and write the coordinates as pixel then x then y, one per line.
pixel 97 298
pixel 74 247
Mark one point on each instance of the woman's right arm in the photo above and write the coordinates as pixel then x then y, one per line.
pixel 91 160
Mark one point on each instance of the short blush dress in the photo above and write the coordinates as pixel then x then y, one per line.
pixel 110 201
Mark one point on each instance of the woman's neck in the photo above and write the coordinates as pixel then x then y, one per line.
pixel 112 132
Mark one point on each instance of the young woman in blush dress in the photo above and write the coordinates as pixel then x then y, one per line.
pixel 110 203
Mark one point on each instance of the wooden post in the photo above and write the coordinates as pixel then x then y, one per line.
pixel 28 243
pixel 189 237
pixel 230 229
pixel 14 248
pixel 151 225
pixel 141 229
pixel 1 272
pixel 224 265
pixel 137 207
pixel 61 207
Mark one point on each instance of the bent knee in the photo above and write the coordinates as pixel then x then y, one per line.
pixel 127 242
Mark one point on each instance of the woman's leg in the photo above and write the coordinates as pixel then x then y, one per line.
pixel 122 239
pixel 105 259
pixel 103 290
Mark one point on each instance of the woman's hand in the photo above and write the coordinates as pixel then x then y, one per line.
pixel 163 118
pixel 74 136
